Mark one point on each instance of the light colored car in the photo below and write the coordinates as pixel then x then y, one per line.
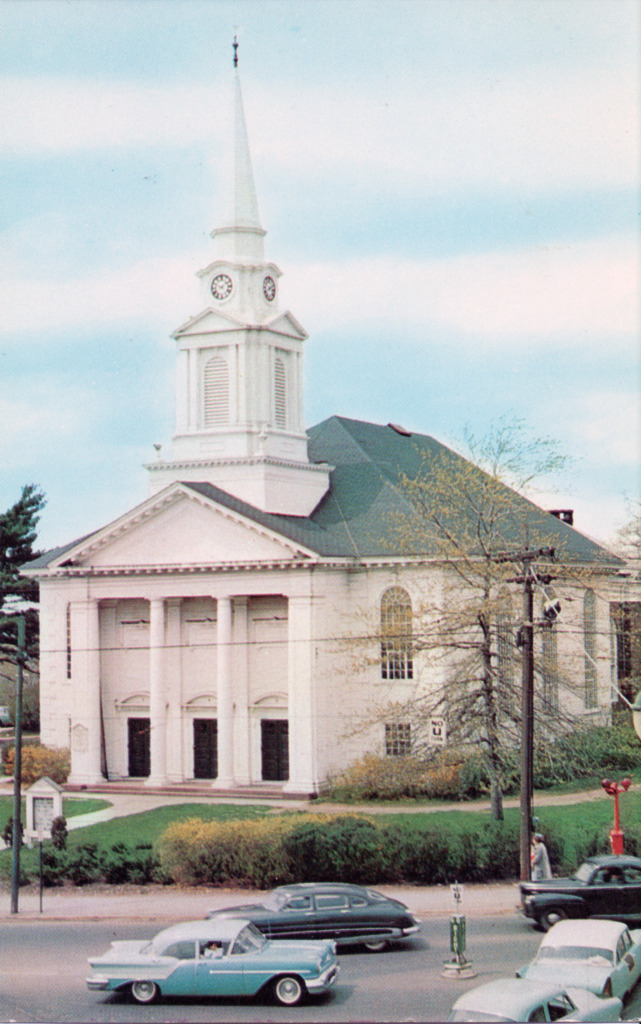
pixel 223 957
pixel 510 999
pixel 602 956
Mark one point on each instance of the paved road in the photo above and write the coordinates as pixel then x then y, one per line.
pixel 44 967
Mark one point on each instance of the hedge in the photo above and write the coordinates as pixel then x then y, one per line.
pixel 39 761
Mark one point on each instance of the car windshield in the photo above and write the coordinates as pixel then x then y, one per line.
pixel 574 953
pixel 584 873
pixel 248 940
pixel 276 901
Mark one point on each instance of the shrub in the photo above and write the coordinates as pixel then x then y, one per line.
pixel 195 852
pixel 347 849
pixel 85 864
pixel 7 832
pixel 54 867
pixel 39 761
pixel 374 777
pixel 121 864
pixel 59 832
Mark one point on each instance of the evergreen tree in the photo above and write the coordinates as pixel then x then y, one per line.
pixel 17 537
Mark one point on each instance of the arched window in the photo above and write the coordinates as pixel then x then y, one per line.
pixel 280 394
pixel 396 635
pixel 589 646
pixel 216 392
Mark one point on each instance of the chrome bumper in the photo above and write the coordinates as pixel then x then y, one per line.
pixel 324 980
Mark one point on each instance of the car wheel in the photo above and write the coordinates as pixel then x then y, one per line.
pixel 551 916
pixel 288 990
pixel 376 947
pixel 144 991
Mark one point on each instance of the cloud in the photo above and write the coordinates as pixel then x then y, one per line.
pixel 548 131
pixel 607 424
pixel 579 292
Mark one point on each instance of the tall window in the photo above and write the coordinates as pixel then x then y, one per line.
pixel 549 670
pixel 396 635
pixel 505 661
pixel 626 617
pixel 216 392
pixel 398 739
pixel 589 646
pixel 280 394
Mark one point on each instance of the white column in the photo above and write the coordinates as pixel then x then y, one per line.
pixel 302 703
pixel 241 691
pixel 176 769
pixel 225 695
pixel 86 730
pixel 157 699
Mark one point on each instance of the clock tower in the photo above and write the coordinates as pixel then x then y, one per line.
pixel 239 386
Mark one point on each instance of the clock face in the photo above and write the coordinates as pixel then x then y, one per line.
pixel 269 289
pixel 221 286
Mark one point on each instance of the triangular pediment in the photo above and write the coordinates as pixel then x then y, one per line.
pixel 180 528
pixel 215 321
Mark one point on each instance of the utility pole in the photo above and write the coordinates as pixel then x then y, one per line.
pixel 525 640
pixel 20 623
pixel 17 770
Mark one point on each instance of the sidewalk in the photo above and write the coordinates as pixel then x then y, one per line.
pixel 166 904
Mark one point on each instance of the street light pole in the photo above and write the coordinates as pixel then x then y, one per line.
pixel 17 770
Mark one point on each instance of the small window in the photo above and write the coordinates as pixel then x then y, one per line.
pixel 358 901
pixel 331 902
pixel 181 950
pixel 398 739
pixel 299 903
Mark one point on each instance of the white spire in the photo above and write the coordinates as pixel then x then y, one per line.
pixel 241 237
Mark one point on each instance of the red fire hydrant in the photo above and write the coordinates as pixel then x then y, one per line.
pixel 616 833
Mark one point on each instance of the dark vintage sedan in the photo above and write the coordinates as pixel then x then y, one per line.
pixel 348 914
pixel 606 886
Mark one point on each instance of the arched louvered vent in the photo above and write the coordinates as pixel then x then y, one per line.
pixel 216 392
pixel 280 394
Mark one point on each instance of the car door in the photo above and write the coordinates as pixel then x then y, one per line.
pixel 631 892
pixel 296 919
pixel 218 973
pixel 333 916
pixel 603 894
pixel 628 963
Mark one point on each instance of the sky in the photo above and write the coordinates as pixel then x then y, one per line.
pixel 450 187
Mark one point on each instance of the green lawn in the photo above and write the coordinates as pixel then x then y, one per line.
pixel 70 807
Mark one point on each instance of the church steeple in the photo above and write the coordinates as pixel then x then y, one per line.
pixel 239 393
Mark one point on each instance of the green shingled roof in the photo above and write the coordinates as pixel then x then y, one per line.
pixel 355 518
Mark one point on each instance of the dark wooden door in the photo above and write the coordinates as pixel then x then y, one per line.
pixel 275 749
pixel 138 746
pixel 205 748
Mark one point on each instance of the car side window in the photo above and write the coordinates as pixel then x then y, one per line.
pixel 299 903
pixel 538 1014
pixel 632 876
pixel 626 938
pixel 621 949
pixel 560 1007
pixel 181 950
pixel 358 901
pixel 331 902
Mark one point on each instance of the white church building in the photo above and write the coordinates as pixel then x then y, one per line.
pixel 199 638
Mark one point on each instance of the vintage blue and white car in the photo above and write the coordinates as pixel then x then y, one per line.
pixel 602 956
pixel 510 999
pixel 222 957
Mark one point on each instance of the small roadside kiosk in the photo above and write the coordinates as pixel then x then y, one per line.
pixel 44 805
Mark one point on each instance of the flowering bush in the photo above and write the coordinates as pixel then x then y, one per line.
pixel 39 761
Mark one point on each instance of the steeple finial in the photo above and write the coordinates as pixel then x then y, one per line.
pixel 235 46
